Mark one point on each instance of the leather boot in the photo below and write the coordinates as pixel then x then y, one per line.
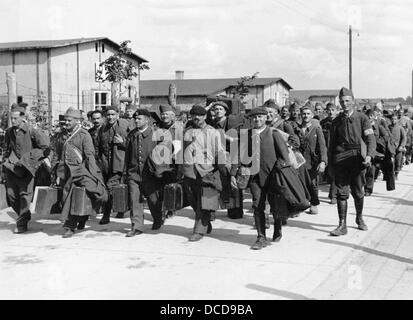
pixel 107 208
pixel 260 225
pixel 342 215
pixel 277 229
pixel 359 203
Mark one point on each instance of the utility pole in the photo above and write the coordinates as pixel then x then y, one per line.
pixel 350 62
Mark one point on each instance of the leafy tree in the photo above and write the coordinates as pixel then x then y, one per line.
pixel 118 68
pixel 242 88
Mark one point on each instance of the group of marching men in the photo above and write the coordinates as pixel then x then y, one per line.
pixel 279 154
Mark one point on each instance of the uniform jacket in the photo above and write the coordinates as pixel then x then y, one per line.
pixel 273 152
pixel 347 132
pixel 94 133
pixel 398 135
pixel 27 147
pixel 139 146
pixel 313 147
pixel 111 156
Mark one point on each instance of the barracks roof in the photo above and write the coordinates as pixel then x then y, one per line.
pixel 47 44
pixel 198 87
pixel 305 94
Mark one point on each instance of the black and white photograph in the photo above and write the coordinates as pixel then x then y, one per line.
pixel 206 155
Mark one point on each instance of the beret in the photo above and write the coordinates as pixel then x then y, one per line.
pixel 198 110
pixel 165 108
pixel 220 103
pixel 74 113
pixel 345 92
pixel 114 108
pixel 142 112
pixel 258 111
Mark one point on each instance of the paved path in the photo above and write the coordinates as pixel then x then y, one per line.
pixel 100 263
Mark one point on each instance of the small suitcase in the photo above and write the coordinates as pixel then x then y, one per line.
pixel 81 205
pixel 120 197
pixel 209 199
pixel 173 197
pixel 46 200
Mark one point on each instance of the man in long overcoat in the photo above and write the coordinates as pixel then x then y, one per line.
pixel 75 165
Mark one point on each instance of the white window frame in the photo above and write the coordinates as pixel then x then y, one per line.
pixel 99 102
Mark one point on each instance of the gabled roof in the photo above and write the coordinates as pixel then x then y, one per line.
pixel 305 94
pixel 47 44
pixel 197 87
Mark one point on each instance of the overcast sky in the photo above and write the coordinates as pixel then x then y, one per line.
pixel 304 42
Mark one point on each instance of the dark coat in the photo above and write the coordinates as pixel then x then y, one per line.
pixel 76 165
pixel 313 147
pixel 111 156
pixel 26 148
pixel 273 152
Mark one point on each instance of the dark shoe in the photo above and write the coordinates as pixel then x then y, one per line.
pixel 341 230
pixel 259 244
pixel 169 214
pixel 120 215
pixel 195 237
pixel 277 236
pixel 209 228
pixel 284 221
pixel 157 225
pixel 360 223
pixel 333 201
pixel 104 220
pixel 133 232
pixel 367 194
pixel 20 229
pixel 212 217
pixel 81 225
pixel 68 233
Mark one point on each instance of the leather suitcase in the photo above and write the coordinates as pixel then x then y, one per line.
pixel 209 199
pixel 234 206
pixel 46 200
pixel 81 205
pixel 173 197
pixel 120 196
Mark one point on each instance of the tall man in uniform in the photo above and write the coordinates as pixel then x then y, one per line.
pixel 139 172
pixel 351 150
pixel 111 155
pixel 25 147
pixel 399 138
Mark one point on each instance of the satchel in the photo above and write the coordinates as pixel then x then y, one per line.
pixel 209 199
pixel 344 155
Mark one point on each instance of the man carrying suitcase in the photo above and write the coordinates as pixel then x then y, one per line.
pixel 73 165
pixel 24 145
pixel 111 155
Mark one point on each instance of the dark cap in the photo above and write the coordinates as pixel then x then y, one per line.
pixel 345 92
pixel 198 110
pixel 220 103
pixel 258 111
pixel 165 108
pixel 142 112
